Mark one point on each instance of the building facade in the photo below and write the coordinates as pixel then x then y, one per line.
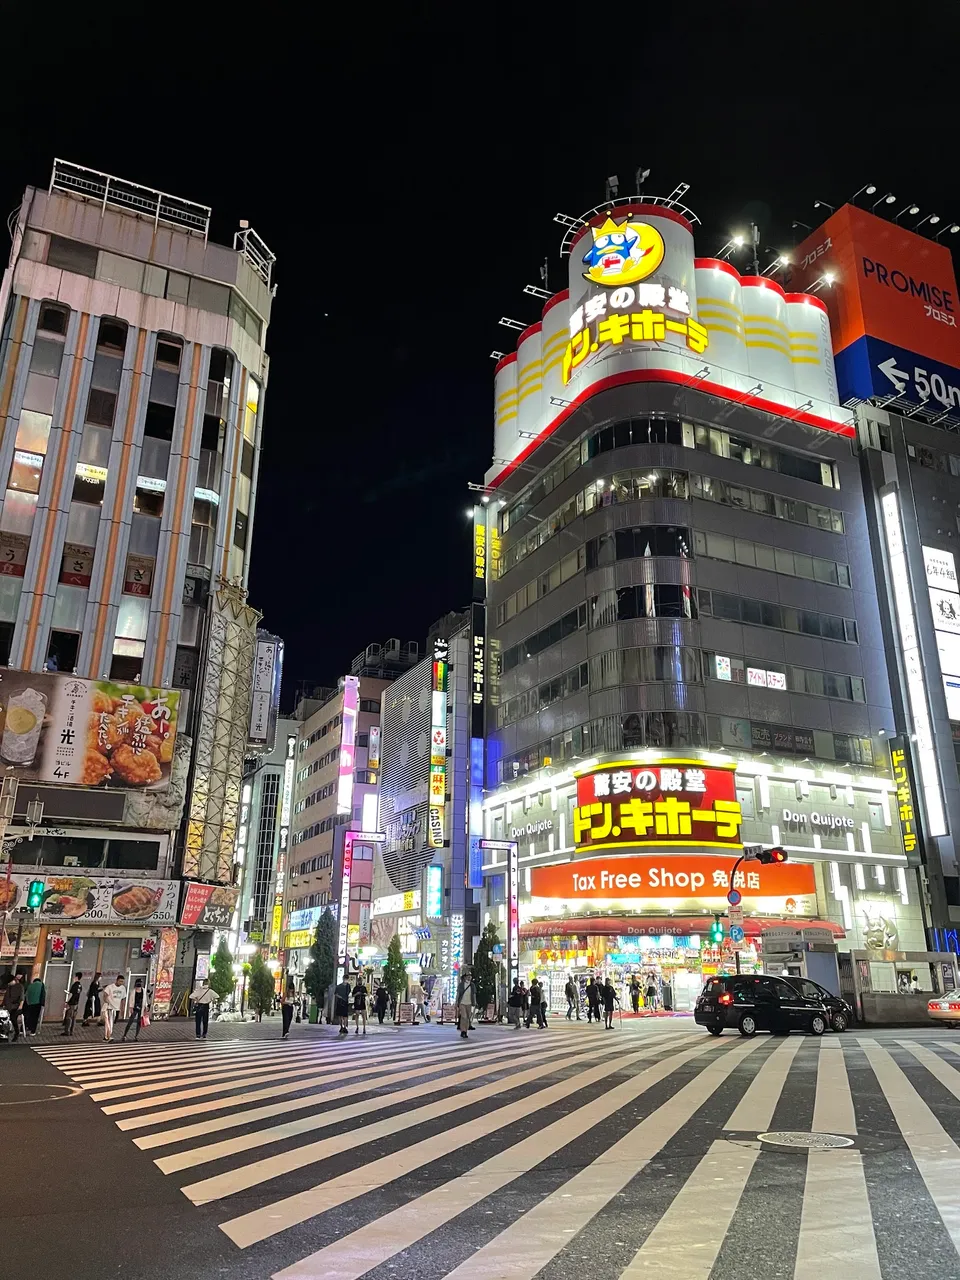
pixel 335 790
pixel 132 377
pixel 419 886
pixel 263 838
pixel 688 649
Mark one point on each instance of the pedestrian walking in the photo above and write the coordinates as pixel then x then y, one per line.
pixel 466 999
pixel 341 1005
pixel 34 998
pixel 651 1000
pixel 135 1010
pixel 635 994
pixel 538 1004
pixel 593 1000
pixel 573 998
pixel 359 1007
pixel 91 1008
pixel 515 1006
pixel 111 998
pixel 287 1003
pixel 610 998
pixel 381 1002
pixel 203 996
pixel 73 993
pixel 524 1002
pixel 12 1000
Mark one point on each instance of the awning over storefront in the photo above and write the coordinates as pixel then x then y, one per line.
pixel 643 926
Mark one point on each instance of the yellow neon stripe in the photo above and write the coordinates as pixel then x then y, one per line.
pixel 719 302
pixel 505 417
pixel 529 392
pixel 771 330
pixel 771 346
pixel 535 373
pixel 722 328
pixel 776 324
pixel 557 342
pixel 505 395
pixel 803 360
pixel 553 363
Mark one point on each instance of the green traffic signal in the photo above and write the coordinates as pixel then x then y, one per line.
pixel 716 930
pixel 35 895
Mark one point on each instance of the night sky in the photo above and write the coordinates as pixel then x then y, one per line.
pixel 370 127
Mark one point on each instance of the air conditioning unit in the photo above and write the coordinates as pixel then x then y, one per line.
pixel 392 647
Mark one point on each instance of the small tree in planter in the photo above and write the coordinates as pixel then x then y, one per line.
pixel 486 969
pixel 260 986
pixel 222 979
pixel 394 972
pixel 323 960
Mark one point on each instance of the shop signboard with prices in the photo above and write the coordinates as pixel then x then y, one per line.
pixel 208 906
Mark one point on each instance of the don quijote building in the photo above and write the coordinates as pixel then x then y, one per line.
pixel 698 638
pixel 132 382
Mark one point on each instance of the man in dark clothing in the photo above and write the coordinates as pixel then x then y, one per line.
pixel 635 994
pixel 341 1005
pixel 573 998
pixel 381 1002
pixel 135 1010
pixel 610 998
pixel 593 1000
pixel 73 1003
pixel 12 1000
pixel 535 999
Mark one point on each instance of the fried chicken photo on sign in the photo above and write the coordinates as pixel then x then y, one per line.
pixel 104 702
pixel 128 713
pixel 136 768
pixel 104 733
pixel 96 768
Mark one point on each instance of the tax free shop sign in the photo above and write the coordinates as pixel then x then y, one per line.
pixel 788 887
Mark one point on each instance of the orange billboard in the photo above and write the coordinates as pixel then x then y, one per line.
pixel 887 283
pixel 670 876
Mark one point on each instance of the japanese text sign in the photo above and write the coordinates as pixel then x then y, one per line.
pixel 676 877
pixel 672 802
pixel 208 906
pixel 905 797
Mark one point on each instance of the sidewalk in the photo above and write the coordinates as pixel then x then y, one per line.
pixel 170 1030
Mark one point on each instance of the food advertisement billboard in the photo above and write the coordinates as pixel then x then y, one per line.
pixel 70 899
pixel 208 906
pixel 87 733
pixel 892 300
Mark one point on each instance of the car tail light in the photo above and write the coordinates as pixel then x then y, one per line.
pixel 726 998
pixel 933 1004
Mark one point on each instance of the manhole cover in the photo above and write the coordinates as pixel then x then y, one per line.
pixel 808 1141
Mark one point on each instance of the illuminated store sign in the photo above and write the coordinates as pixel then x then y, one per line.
pixel 906 807
pixel 434 892
pixel 676 877
pixel 456 951
pixel 913 663
pixel 623 252
pixel 672 802
pixel 635 326
pixel 479 552
pixel 348 744
pixel 478 669
pixel 438 747
pixel 941 573
pixel 349 839
pixel 373 747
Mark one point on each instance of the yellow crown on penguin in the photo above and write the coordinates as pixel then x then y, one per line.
pixel 609 227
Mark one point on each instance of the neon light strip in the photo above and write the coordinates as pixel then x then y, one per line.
pixel 348 743
pixel 913 666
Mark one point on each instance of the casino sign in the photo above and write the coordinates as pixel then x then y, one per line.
pixel 682 803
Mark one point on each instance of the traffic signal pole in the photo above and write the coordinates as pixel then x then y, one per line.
pixel 754 853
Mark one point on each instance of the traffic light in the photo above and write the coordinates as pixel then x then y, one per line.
pixel 35 895
pixel 766 856
pixel 716 931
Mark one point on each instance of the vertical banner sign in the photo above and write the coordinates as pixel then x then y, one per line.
pixel 434 892
pixel 456 952
pixel 166 961
pixel 373 749
pixel 349 839
pixel 348 743
pixel 902 767
pixel 478 669
pixel 438 746
pixel 480 553
pixel 265 694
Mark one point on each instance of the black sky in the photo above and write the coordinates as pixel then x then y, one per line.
pixel 405 164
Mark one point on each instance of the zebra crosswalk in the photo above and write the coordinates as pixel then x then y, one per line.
pixel 656 1152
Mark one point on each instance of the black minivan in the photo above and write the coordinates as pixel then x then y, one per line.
pixel 754 1002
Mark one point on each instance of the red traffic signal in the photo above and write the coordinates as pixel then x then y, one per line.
pixel 767 856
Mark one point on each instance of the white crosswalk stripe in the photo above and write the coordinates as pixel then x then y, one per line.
pixel 517 1154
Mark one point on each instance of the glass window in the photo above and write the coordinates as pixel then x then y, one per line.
pixel 47 356
pixel 766 556
pixel 25 471
pixel 33 430
pixel 802 565
pixel 850 630
pixel 831 628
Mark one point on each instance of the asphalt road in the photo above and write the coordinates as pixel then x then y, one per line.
pixel 410 1155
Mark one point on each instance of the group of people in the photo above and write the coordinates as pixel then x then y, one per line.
pixel 597 996
pixel 25 1004
pixel 527 1004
